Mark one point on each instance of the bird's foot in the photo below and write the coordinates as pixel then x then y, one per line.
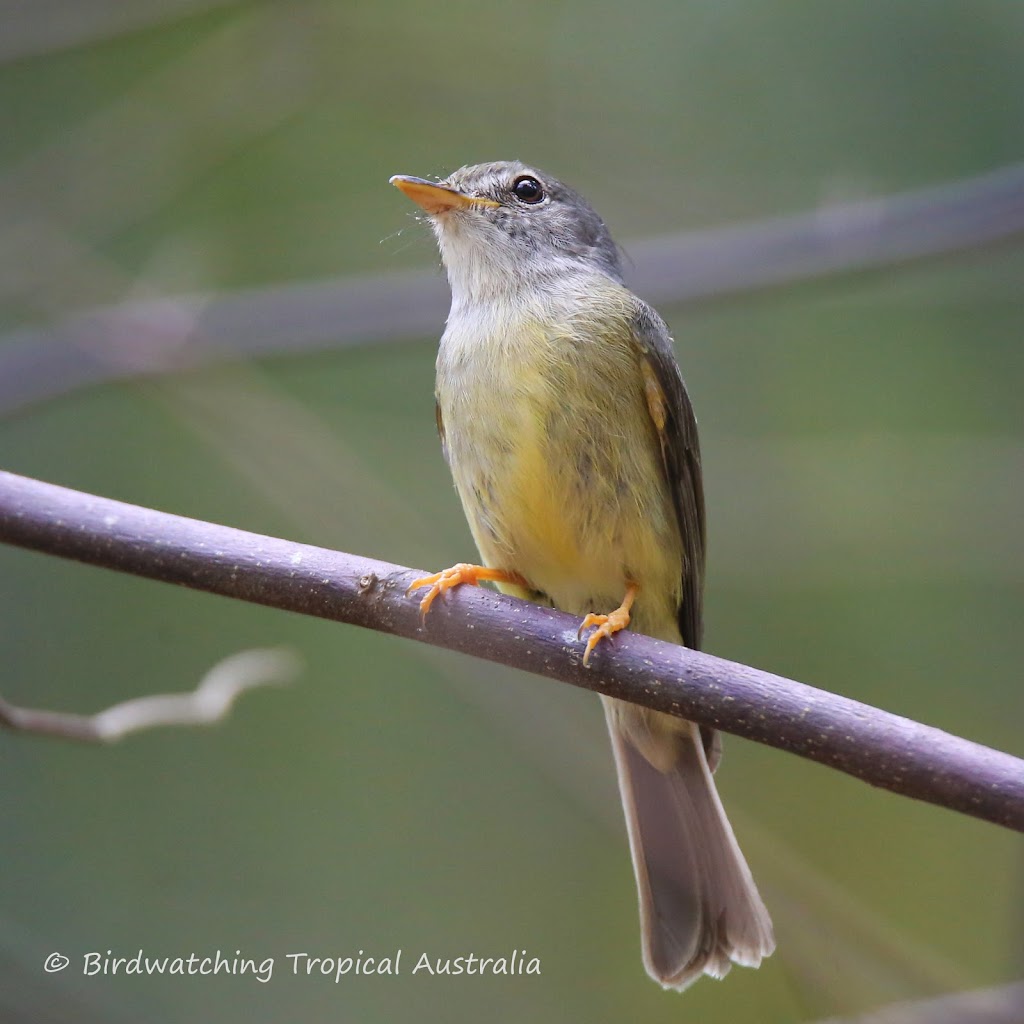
pixel 607 625
pixel 464 572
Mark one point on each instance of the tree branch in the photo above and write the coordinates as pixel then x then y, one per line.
pixel 1003 1004
pixel 883 749
pixel 122 342
pixel 46 28
pixel 208 703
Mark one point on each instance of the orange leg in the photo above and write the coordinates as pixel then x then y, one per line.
pixel 608 625
pixel 464 572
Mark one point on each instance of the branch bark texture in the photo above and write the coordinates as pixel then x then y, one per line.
pixel 885 750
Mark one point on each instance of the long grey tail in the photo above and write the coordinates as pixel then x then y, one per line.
pixel 700 910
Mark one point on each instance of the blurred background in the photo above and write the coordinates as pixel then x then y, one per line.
pixel 863 446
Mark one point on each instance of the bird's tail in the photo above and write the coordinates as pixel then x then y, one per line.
pixel 700 910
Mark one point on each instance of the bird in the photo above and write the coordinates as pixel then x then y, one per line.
pixel 572 443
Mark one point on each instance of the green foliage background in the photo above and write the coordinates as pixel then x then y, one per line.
pixel 863 448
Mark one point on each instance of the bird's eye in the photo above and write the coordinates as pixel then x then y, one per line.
pixel 528 190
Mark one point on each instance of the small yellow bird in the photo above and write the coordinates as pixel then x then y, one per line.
pixel 573 446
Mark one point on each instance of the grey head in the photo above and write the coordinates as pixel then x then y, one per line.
pixel 503 226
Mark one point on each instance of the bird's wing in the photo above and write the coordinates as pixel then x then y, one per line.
pixel 676 426
pixel 440 431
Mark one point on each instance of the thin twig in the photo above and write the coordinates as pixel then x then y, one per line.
pixel 208 703
pixel 41 363
pixel 883 749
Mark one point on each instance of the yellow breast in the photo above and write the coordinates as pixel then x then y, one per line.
pixel 555 458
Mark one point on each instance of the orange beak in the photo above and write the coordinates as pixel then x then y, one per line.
pixel 436 198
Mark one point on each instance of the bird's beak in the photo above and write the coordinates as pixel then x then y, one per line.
pixel 435 198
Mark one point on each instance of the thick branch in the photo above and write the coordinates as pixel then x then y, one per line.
pixel 37 364
pixel 883 749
